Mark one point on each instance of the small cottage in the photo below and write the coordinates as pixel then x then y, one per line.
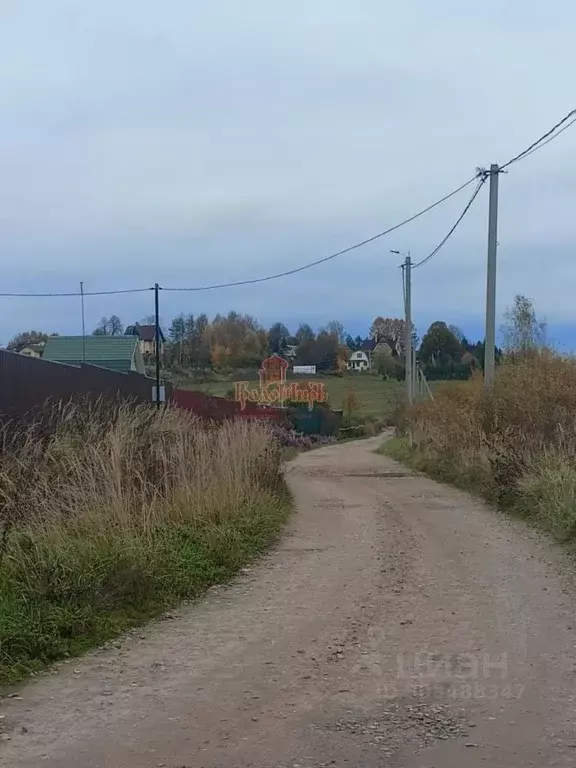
pixel 146 335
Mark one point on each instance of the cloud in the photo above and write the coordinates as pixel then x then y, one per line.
pixel 192 143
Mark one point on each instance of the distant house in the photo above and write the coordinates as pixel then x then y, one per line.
pixel 117 353
pixel 291 351
pixel 146 335
pixel 358 361
pixel 363 358
pixel 31 350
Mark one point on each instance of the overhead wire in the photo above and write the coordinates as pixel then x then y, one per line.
pixel 453 229
pixel 481 174
pixel 547 137
pixel 71 293
pixel 333 255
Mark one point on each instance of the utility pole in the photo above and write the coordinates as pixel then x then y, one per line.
pixel 407 286
pixel 83 323
pixel 489 362
pixel 415 393
pixel 157 345
pixel 408 328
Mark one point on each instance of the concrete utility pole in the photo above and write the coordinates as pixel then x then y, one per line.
pixel 408 322
pixel 414 369
pixel 408 356
pixel 157 345
pixel 83 323
pixel 489 362
pixel 408 359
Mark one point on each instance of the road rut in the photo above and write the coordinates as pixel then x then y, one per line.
pixel 398 623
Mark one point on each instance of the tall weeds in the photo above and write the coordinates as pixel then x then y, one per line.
pixel 516 444
pixel 108 513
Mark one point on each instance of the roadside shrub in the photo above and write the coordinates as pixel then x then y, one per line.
pixel 548 493
pixel 286 437
pixel 515 444
pixel 109 513
pixel 350 405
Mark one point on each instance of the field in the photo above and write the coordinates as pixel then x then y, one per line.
pixel 376 398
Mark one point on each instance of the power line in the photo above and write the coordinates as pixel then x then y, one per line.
pixel 549 139
pixel 333 255
pixel 77 293
pixel 548 136
pixel 553 133
pixel 453 229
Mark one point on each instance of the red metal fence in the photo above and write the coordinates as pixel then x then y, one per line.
pixel 27 383
pixel 219 408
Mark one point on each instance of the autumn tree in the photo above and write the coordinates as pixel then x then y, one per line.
pixel 236 341
pixel 109 326
pixel 304 333
pixel 200 341
pixel 25 338
pixel 177 335
pixel 336 328
pixel 458 333
pixel 477 352
pixel 384 363
pixel 324 351
pixel 327 351
pixel 102 328
pixel 523 332
pixel 278 337
pixel 390 331
pixel 189 342
pixel 440 346
pixel 350 342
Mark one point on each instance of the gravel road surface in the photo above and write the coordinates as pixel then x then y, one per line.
pixel 398 623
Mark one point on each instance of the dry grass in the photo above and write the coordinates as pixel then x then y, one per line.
pixel 515 445
pixel 110 513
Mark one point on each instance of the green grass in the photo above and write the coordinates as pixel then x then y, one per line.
pixel 60 598
pixel 545 495
pixel 112 513
pixel 396 448
pixel 377 398
pixel 469 478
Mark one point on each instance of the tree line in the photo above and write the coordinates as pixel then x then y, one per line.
pixel 239 341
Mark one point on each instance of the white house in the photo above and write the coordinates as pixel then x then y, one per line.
pixel 361 359
pixel 358 361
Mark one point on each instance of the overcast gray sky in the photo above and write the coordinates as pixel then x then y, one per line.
pixel 192 142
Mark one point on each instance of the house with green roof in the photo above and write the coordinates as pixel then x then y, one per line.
pixel 117 353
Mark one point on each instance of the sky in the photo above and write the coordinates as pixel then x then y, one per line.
pixel 191 143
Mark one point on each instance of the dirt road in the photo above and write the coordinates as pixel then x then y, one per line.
pixel 398 623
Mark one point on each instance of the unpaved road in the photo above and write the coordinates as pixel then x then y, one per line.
pixel 398 623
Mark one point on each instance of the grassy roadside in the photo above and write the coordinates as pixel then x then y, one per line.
pixel 399 449
pixel 109 519
pixel 513 446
